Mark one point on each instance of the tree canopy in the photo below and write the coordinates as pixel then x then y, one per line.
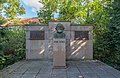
pixel 11 9
pixel 78 11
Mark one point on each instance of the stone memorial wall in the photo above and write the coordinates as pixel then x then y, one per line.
pixel 39 40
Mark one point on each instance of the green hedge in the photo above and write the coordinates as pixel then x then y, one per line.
pixel 12 45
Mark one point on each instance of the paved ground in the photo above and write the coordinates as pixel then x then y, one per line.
pixel 44 69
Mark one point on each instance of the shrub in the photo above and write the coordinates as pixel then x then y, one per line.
pixel 12 45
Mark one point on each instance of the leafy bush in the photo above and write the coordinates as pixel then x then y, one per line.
pixel 12 45
pixel 107 45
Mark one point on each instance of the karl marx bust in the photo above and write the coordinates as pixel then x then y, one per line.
pixel 59 31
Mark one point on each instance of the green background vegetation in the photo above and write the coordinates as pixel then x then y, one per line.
pixel 12 45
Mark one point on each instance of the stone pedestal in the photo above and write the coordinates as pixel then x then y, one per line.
pixel 59 53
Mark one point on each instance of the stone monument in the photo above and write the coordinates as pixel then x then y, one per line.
pixel 75 40
pixel 59 47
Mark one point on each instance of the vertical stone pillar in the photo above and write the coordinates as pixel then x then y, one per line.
pixel 59 53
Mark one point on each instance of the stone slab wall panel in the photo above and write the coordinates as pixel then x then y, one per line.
pixel 75 49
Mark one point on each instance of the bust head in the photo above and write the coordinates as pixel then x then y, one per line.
pixel 59 31
pixel 59 28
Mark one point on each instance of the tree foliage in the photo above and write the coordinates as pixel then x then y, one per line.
pixel 46 12
pixel 2 19
pixel 78 11
pixel 114 33
pixel 109 50
pixel 11 9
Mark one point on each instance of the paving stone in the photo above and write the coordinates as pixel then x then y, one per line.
pixel 75 69
pixel 47 75
pixel 13 67
pixel 117 74
pixel 59 71
pixel 85 70
pixel 29 75
pixel 16 65
pixel 82 64
pixel 99 71
pixel 102 73
pixel 59 75
pixel 114 72
pixel 8 71
pixel 97 64
pixel 19 70
pixel 90 75
pixel 72 70
pixel 107 76
pixel 74 75
pixel 33 70
pixel 12 76
pixel 45 70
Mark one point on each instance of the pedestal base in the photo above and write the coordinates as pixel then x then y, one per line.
pixel 59 53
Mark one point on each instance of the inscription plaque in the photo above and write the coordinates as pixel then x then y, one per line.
pixel 59 41
pixel 81 35
pixel 36 35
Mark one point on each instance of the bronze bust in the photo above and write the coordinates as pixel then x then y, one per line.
pixel 59 31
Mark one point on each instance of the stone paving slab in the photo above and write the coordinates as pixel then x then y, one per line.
pixel 19 70
pixel 13 67
pixel 30 75
pixel 44 69
pixel 46 75
pixel 59 75
pixel 12 75
pixel 32 70
pixel 74 75
pixel 90 75
pixel 72 70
